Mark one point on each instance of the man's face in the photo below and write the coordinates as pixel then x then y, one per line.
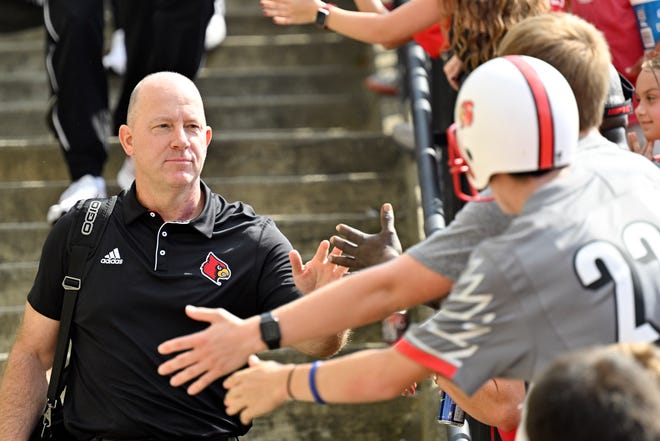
pixel 168 136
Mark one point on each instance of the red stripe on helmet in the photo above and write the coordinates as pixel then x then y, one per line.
pixel 543 112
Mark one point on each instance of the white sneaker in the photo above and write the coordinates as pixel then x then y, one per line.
pixel 84 188
pixel 216 30
pixel 126 174
pixel 403 134
pixel 115 60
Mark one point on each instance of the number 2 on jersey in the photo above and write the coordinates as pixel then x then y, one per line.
pixel 600 261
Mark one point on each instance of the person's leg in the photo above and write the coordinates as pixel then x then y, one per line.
pixel 216 30
pixel 79 102
pixel 162 35
pixel 78 114
pixel 115 59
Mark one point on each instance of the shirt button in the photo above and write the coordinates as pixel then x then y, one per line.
pixel 164 234
pixel 162 252
pixel 152 214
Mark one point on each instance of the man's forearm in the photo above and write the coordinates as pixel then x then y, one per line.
pixel 22 396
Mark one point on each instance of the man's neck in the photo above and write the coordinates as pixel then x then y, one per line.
pixel 173 204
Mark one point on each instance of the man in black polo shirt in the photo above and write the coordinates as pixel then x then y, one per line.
pixel 170 242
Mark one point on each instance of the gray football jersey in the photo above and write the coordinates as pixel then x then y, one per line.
pixel 447 251
pixel 580 266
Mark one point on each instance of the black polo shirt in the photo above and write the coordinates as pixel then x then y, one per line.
pixel 143 274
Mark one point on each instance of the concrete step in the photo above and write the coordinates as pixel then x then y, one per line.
pixel 270 153
pixel 22 241
pixel 242 17
pixel 322 193
pixel 27 55
pixel 221 81
pixel 10 318
pixel 27 118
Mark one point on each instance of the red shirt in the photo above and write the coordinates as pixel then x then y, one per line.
pixel 616 20
pixel 433 40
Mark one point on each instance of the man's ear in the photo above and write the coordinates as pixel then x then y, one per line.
pixel 126 139
pixel 209 135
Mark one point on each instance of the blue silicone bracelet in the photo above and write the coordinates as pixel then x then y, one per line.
pixel 312 382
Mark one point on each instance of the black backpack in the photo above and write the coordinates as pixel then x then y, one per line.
pixel 88 227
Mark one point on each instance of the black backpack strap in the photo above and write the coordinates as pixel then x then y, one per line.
pixel 85 234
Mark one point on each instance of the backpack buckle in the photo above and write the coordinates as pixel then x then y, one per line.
pixel 71 283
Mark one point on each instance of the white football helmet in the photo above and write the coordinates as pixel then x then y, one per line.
pixel 514 114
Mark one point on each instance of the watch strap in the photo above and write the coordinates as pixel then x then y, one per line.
pixel 322 15
pixel 270 330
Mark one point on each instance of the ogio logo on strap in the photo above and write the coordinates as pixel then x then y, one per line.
pixel 90 217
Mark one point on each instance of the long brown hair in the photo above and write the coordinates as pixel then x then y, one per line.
pixel 479 25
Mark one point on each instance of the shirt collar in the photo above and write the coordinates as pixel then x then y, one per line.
pixel 203 223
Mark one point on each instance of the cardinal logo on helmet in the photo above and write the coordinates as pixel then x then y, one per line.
pixel 465 113
pixel 215 269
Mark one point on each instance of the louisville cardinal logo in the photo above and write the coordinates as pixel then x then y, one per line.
pixel 465 114
pixel 215 269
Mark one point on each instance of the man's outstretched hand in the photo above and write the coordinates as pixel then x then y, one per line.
pixel 361 250
pixel 319 271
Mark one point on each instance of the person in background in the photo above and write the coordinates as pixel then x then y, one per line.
pixel 616 20
pixel 159 35
pixel 173 242
pixel 647 91
pixel 473 25
pixel 115 60
pixel 618 107
pixel 605 393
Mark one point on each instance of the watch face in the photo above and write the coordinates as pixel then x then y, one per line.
pixel 321 16
pixel 270 330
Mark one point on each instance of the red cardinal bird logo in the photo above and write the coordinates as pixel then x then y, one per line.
pixel 465 113
pixel 215 269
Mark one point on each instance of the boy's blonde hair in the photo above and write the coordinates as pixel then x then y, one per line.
pixel 575 48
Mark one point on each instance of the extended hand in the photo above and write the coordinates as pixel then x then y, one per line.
pixel 208 354
pixel 287 12
pixel 318 271
pixel 258 390
pixel 361 250
pixel 453 69
pixel 633 144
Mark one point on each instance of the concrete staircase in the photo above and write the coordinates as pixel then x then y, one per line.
pixel 296 135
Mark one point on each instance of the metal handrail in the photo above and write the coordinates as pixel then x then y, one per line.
pixel 431 104
pixel 418 87
pixel 431 112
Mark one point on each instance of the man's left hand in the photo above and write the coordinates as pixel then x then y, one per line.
pixel 318 271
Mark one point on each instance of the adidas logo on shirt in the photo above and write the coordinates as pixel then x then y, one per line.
pixel 113 258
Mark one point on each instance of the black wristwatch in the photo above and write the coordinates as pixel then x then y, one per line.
pixel 270 330
pixel 322 15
